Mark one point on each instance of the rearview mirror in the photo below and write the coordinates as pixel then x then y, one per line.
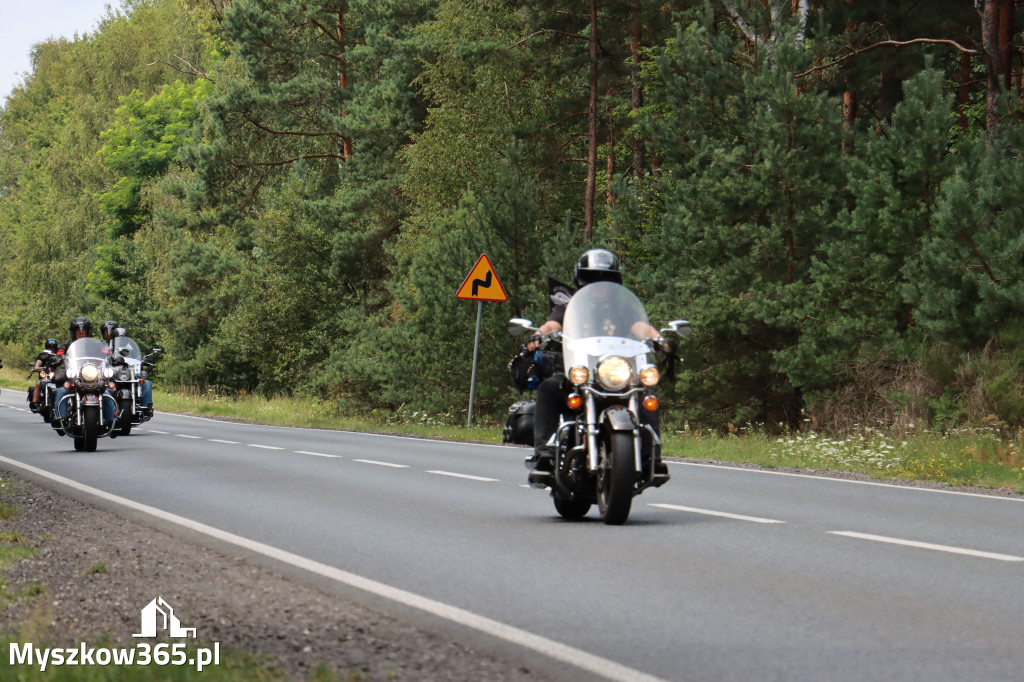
pixel 518 326
pixel 680 328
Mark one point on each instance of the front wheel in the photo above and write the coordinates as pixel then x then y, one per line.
pixel 124 422
pixel 615 477
pixel 90 427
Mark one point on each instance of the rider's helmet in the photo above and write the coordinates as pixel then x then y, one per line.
pixel 51 345
pixel 80 323
pixel 108 330
pixel 597 265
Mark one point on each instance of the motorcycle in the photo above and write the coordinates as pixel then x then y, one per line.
pixel 605 452
pixel 129 375
pixel 47 369
pixel 88 370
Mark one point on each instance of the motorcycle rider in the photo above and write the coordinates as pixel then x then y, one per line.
pixel 33 405
pixel 109 331
pixel 596 265
pixel 80 328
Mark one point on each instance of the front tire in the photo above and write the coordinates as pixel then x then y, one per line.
pixel 90 428
pixel 124 407
pixel 615 477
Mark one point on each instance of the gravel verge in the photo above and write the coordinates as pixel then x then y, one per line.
pixel 95 570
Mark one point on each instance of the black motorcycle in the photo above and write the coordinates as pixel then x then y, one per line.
pixel 87 369
pixel 129 375
pixel 605 452
pixel 47 370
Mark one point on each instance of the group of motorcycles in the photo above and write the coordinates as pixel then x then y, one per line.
pixel 605 452
pixel 100 379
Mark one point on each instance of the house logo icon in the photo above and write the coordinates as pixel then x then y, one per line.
pixel 158 615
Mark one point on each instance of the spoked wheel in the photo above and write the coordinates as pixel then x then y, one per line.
pixel 124 423
pixel 615 477
pixel 570 509
pixel 91 428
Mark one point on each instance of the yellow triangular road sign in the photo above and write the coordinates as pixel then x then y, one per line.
pixel 482 283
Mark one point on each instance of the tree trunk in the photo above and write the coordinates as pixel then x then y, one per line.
pixel 588 198
pixel 345 145
pixel 990 38
pixel 636 93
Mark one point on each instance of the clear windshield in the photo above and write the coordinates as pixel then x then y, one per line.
pixel 604 309
pixel 87 351
pixel 127 342
pixel 602 319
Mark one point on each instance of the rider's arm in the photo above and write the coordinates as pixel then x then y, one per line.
pixel 546 328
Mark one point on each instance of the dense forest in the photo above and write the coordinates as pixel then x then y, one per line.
pixel 287 194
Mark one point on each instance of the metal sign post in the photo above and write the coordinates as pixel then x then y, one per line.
pixel 481 284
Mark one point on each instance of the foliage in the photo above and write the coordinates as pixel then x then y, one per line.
pixel 286 195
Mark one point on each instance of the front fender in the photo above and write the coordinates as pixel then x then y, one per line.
pixel 618 418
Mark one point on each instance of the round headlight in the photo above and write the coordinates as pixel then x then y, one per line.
pixel 579 375
pixel 90 372
pixel 124 375
pixel 614 373
pixel 649 376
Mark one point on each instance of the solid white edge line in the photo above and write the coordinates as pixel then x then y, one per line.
pixel 709 512
pixel 466 476
pixel 556 650
pixel 926 545
pixel 316 454
pixel 383 464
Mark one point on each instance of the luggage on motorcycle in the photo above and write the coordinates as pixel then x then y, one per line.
pixel 519 425
pixel 531 367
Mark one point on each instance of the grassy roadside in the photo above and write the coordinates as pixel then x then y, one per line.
pixel 990 457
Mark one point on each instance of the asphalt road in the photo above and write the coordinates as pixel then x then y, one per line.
pixel 722 574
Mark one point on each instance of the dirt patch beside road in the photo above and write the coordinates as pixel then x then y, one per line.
pixel 96 570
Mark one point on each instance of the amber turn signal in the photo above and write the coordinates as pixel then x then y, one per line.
pixel 651 403
pixel 575 401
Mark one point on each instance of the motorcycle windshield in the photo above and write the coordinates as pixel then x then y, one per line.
pixel 86 352
pixel 603 318
pixel 121 342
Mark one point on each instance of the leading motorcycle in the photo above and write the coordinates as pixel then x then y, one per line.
pixel 87 370
pixel 605 452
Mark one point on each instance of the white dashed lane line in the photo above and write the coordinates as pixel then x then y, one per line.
pixel 465 476
pixel 316 454
pixel 382 464
pixel 185 435
pixel 709 512
pixel 225 442
pixel 927 545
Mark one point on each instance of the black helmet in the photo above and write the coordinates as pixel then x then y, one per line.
pixel 597 265
pixel 51 345
pixel 108 330
pixel 80 323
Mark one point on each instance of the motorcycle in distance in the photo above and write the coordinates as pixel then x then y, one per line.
pixel 47 369
pixel 600 449
pixel 87 366
pixel 127 381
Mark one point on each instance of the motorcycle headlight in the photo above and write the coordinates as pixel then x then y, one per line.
pixel 90 372
pixel 123 375
pixel 614 373
pixel 579 375
pixel 649 376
